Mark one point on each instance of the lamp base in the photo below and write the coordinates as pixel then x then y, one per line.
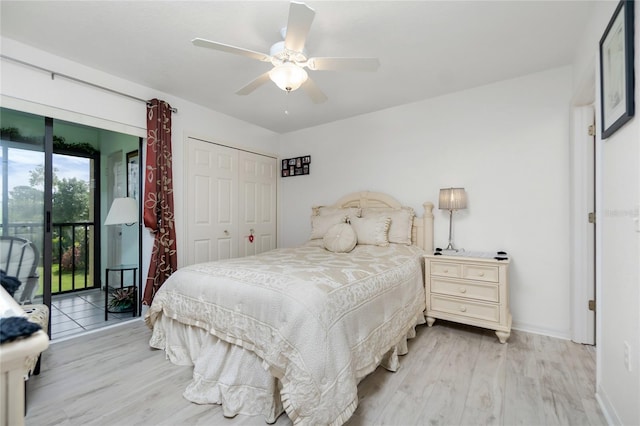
pixel 450 252
pixel 450 247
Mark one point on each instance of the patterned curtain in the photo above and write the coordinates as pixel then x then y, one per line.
pixel 158 197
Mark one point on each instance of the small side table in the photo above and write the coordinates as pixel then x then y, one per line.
pixel 108 289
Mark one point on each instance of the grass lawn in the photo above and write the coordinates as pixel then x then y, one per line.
pixel 66 280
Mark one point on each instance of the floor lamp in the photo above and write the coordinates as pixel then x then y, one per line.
pixel 452 199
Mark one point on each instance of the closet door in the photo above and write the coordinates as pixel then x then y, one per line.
pixel 257 207
pixel 212 202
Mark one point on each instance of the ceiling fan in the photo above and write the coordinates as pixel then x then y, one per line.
pixel 289 57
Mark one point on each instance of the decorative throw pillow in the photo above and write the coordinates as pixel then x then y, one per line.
pixel 321 224
pixel 371 230
pixel 340 238
pixel 401 222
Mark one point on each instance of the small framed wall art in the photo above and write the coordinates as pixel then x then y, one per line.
pixel 296 166
pixel 616 70
pixel 133 166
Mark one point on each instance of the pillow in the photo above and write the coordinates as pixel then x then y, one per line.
pixel 372 230
pixel 348 211
pixel 401 222
pixel 321 224
pixel 340 238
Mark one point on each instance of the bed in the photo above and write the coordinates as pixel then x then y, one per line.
pixel 296 329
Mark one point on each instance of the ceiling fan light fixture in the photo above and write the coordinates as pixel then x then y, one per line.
pixel 288 76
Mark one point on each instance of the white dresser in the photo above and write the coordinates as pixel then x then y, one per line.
pixel 469 290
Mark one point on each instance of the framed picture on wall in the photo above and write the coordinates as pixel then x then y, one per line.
pixel 616 70
pixel 133 168
pixel 296 166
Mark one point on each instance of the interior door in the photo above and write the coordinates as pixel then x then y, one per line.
pixel 257 207
pixel 583 226
pixel 212 200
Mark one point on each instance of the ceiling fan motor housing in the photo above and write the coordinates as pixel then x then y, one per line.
pixel 280 54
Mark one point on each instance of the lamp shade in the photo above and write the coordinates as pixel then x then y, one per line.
pixel 288 76
pixel 452 199
pixel 123 210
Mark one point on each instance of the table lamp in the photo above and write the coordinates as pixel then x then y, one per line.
pixel 452 199
pixel 123 210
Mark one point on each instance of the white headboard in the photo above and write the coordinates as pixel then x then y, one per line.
pixel 422 231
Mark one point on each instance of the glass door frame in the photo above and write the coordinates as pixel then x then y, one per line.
pixel 47 255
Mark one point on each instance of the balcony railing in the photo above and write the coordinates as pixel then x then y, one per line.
pixel 71 259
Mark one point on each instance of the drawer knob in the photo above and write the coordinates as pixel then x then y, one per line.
pixel 463 309
pixel 463 290
pixel 481 274
pixel 446 271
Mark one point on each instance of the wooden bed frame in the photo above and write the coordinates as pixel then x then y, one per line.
pixel 422 231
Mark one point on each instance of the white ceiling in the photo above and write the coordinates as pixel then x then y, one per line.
pixel 426 48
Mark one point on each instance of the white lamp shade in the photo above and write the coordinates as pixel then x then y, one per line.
pixel 123 210
pixel 288 76
pixel 452 199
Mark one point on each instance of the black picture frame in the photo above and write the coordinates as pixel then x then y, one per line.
pixel 133 179
pixel 616 70
pixel 296 166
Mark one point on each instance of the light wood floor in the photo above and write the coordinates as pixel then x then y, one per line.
pixel 453 375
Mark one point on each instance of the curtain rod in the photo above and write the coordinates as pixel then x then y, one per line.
pixel 77 80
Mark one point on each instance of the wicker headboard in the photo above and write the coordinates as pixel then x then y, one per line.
pixel 422 231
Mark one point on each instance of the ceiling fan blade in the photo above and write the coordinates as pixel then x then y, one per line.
pixel 314 92
pixel 300 19
pixel 343 64
pixel 200 42
pixel 253 85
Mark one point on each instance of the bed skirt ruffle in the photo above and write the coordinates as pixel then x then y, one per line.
pixel 236 378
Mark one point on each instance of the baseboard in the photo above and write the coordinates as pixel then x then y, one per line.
pixel 529 328
pixel 607 409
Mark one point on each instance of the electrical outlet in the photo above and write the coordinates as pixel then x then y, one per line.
pixel 627 356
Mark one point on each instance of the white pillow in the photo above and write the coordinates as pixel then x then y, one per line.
pixel 401 222
pixel 340 238
pixel 371 230
pixel 321 224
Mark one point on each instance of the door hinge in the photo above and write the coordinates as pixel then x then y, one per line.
pixel 592 129
pixel 592 217
pixel 592 305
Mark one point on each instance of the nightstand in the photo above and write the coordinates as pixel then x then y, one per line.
pixel 470 289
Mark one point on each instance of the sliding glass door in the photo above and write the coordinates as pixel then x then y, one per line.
pixel 26 193
pixel 52 199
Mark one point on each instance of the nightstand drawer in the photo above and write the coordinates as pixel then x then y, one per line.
pixel 466 289
pixel 480 273
pixel 445 269
pixel 465 308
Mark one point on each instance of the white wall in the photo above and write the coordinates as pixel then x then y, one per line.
pixel 506 143
pixel 34 91
pixel 618 258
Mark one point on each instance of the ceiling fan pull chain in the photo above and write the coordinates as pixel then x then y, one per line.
pixel 286 103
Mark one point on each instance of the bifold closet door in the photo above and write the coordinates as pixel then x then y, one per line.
pixel 212 202
pixel 257 203
pixel 231 202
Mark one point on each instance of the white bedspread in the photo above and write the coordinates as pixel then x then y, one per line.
pixel 320 321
